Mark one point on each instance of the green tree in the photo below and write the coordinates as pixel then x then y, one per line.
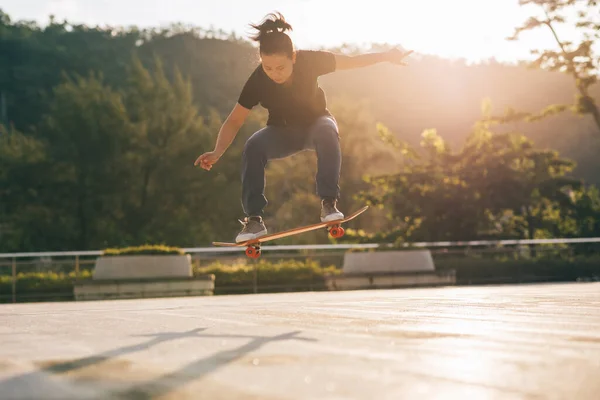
pixel 429 198
pixel 582 215
pixel 168 200
pixel 34 59
pixel 22 171
pixel 575 58
pixel 86 132
pixel 497 185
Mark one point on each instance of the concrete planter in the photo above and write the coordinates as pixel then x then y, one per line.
pixel 389 269
pixel 143 276
pixel 143 266
pixel 389 280
pixel 388 262
pixel 203 285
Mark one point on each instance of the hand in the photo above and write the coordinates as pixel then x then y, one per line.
pixel 396 56
pixel 207 160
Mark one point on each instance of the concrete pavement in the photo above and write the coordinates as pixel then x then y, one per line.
pixel 489 342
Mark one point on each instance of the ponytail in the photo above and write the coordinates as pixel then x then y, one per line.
pixel 272 37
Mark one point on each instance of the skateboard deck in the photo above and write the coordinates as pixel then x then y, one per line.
pixel 334 228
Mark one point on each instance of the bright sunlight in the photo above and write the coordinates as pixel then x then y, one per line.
pixel 470 29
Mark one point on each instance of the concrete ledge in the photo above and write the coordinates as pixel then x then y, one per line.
pixel 144 288
pixel 387 280
pixel 143 266
pixel 388 261
pixel 388 269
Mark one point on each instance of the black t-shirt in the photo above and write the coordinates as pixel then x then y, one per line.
pixel 302 101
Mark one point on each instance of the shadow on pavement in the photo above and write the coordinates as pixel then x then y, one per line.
pixel 24 385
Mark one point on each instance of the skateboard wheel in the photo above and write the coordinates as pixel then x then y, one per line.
pixel 336 232
pixel 252 252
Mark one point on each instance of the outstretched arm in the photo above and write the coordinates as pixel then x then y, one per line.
pixel 228 132
pixel 394 56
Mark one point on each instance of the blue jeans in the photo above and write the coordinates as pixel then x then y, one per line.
pixel 276 142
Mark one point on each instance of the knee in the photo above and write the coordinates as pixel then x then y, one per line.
pixel 327 129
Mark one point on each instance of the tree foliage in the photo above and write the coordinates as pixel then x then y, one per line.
pixel 576 58
pixel 101 127
pixel 495 186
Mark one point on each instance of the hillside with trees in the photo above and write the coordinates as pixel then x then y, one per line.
pixel 100 129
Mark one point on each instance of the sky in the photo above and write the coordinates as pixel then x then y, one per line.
pixel 471 29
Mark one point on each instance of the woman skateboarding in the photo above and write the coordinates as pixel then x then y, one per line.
pixel 286 84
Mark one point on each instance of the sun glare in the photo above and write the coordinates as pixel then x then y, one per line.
pixel 469 29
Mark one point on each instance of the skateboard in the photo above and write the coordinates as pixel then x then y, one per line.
pixel 333 227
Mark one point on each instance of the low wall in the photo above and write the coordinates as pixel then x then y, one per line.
pixel 143 266
pixel 388 269
pixel 388 262
pixel 144 288
pixel 389 281
pixel 143 276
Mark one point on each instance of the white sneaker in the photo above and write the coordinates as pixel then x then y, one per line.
pixel 329 211
pixel 254 227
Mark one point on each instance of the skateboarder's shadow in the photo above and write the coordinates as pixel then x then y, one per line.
pixel 197 369
pixel 158 338
pixel 168 382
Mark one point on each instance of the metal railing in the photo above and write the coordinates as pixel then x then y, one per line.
pixel 78 261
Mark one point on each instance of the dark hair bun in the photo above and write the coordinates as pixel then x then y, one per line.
pixel 272 23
